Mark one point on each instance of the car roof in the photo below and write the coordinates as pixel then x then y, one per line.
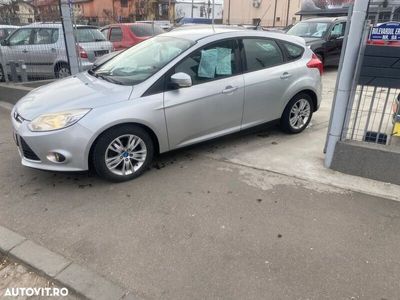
pixel 53 25
pixel 326 19
pixel 198 32
pixel 8 26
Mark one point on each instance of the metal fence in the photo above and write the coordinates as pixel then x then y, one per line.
pixel 372 115
pixel 33 47
pixel 373 107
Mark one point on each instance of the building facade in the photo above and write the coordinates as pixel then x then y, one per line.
pixel 279 13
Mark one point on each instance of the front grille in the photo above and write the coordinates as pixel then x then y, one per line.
pixel 100 53
pixel 27 151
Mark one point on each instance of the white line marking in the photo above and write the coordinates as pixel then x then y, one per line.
pixel 6 105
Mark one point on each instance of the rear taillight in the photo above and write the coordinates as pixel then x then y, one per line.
pixel 82 52
pixel 316 63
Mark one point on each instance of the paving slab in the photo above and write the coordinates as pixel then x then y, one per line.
pixel 9 239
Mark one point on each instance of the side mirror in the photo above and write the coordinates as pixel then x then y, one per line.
pixel 181 80
pixel 5 43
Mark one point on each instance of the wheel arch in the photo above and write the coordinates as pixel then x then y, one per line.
pixel 150 131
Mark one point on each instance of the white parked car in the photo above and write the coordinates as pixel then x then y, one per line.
pixel 41 48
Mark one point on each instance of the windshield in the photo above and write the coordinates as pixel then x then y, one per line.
pixel 143 29
pixel 309 29
pixel 87 35
pixel 139 62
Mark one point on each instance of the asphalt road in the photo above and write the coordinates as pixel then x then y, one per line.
pixel 203 226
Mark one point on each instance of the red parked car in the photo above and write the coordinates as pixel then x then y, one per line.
pixel 125 35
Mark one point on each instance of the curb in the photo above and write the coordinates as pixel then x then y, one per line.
pixel 79 280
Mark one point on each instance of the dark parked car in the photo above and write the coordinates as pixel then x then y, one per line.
pixel 324 36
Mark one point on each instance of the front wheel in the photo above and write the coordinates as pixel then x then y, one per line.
pixel 123 153
pixel 297 114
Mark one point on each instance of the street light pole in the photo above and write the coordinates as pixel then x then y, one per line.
pixel 192 9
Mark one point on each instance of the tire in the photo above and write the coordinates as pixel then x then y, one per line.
pixel 62 71
pixel 2 75
pixel 297 114
pixel 123 164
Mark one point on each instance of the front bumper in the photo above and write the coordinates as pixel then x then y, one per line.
pixel 73 142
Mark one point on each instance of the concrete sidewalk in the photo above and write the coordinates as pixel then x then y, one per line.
pixel 220 220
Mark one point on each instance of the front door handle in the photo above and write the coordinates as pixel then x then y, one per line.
pixel 229 89
pixel 286 75
pixel 25 51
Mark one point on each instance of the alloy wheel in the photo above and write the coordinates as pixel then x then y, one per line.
pixel 125 155
pixel 299 114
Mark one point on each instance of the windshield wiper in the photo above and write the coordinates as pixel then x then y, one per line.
pixel 107 77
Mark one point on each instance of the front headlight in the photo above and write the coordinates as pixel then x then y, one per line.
pixel 55 121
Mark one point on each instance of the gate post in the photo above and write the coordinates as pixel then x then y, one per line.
pixel 345 77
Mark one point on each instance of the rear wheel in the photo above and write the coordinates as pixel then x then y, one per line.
pixel 123 153
pixel 297 114
pixel 62 70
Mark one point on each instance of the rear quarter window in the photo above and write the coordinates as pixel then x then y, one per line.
pixel 293 51
pixel 87 35
pixel 143 30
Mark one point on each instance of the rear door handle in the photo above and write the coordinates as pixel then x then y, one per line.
pixel 25 51
pixel 286 75
pixel 229 89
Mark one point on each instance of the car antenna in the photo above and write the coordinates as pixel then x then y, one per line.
pixel 259 20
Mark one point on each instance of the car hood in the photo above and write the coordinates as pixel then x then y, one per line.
pixel 310 40
pixel 79 91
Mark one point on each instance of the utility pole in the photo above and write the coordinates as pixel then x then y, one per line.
pixel 229 12
pixel 273 22
pixel 345 78
pixel 287 13
pixel 69 37
pixel 213 9
pixel 192 9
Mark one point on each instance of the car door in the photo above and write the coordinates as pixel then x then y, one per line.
pixel 265 78
pixel 116 38
pixel 334 43
pixel 43 51
pixel 18 47
pixel 213 105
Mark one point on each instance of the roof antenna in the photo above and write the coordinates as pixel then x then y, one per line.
pixel 259 20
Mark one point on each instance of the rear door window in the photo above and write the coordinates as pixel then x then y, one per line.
pixel 261 54
pixel 115 34
pixel 44 36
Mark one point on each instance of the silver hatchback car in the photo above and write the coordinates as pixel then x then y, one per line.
pixel 41 48
pixel 173 90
